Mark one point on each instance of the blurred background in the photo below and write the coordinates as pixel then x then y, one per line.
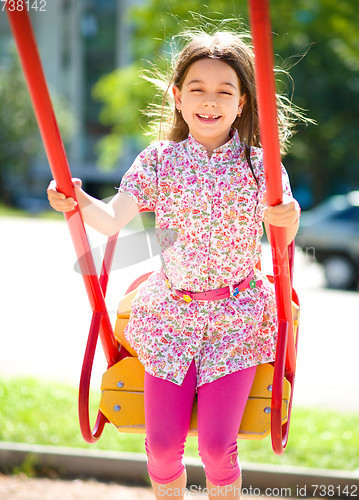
pixel 93 52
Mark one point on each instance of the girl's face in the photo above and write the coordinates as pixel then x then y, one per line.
pixel 210 100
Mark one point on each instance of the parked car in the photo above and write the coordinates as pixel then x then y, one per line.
pixel 330 232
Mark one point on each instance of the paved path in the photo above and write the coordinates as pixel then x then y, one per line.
pixel 23 488
pixel 46 315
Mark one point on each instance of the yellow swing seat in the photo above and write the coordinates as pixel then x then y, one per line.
pixel 122 389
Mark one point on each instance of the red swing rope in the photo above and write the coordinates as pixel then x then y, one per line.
pixel 267 109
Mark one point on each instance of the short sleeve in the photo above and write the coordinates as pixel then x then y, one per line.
pixel 140 180
pixel 259 170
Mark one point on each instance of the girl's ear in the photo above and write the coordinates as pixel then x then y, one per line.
pixel 177 95
pixel 242 101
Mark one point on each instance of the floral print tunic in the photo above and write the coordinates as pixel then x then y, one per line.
pixel 209 218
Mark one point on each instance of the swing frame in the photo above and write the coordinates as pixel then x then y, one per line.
pixel 96 286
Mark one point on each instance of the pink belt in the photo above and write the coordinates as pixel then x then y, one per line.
pixel 217 294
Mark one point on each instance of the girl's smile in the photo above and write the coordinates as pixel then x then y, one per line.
pixel 210 100
pixel 208 118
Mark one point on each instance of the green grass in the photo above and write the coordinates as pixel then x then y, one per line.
pixel 33 411
pixel 8 211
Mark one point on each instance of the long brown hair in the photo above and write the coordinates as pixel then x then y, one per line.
pixel 235 50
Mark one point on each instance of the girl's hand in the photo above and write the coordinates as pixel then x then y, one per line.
pixel 284 215
pixel 58 200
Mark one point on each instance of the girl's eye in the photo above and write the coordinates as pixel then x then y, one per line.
pixel 224 92
pixel 196 90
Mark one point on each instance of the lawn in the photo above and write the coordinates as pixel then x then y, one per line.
pixel 33 411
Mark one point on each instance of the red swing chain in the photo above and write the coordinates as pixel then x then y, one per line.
pixel 267 109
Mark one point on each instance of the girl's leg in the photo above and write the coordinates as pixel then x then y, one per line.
pixel 168 409
pixel 220 408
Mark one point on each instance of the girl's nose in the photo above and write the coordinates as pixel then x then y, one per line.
pixel 210 100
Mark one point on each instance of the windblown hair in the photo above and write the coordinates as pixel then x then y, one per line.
pixel 235 50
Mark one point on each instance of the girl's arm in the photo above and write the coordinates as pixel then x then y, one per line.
pixel 106 218
pixel 286 215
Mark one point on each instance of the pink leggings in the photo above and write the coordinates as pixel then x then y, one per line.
pixel 168 410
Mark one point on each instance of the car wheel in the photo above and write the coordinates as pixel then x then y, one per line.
pixel 339 272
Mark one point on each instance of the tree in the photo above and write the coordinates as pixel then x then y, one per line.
pixel 316 39
pixel 20 141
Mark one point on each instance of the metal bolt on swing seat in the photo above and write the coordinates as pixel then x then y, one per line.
pixel 120 384
pixel 117 408
pixel 267 410
pixel 269 388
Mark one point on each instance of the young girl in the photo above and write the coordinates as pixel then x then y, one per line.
pixel 207 318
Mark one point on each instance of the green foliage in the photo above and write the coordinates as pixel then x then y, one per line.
pixel 46 413
pixel 20 140
pixel 316 39
pixel 17 120
pixel 327 84
pixel 125 95
pixel 153 33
